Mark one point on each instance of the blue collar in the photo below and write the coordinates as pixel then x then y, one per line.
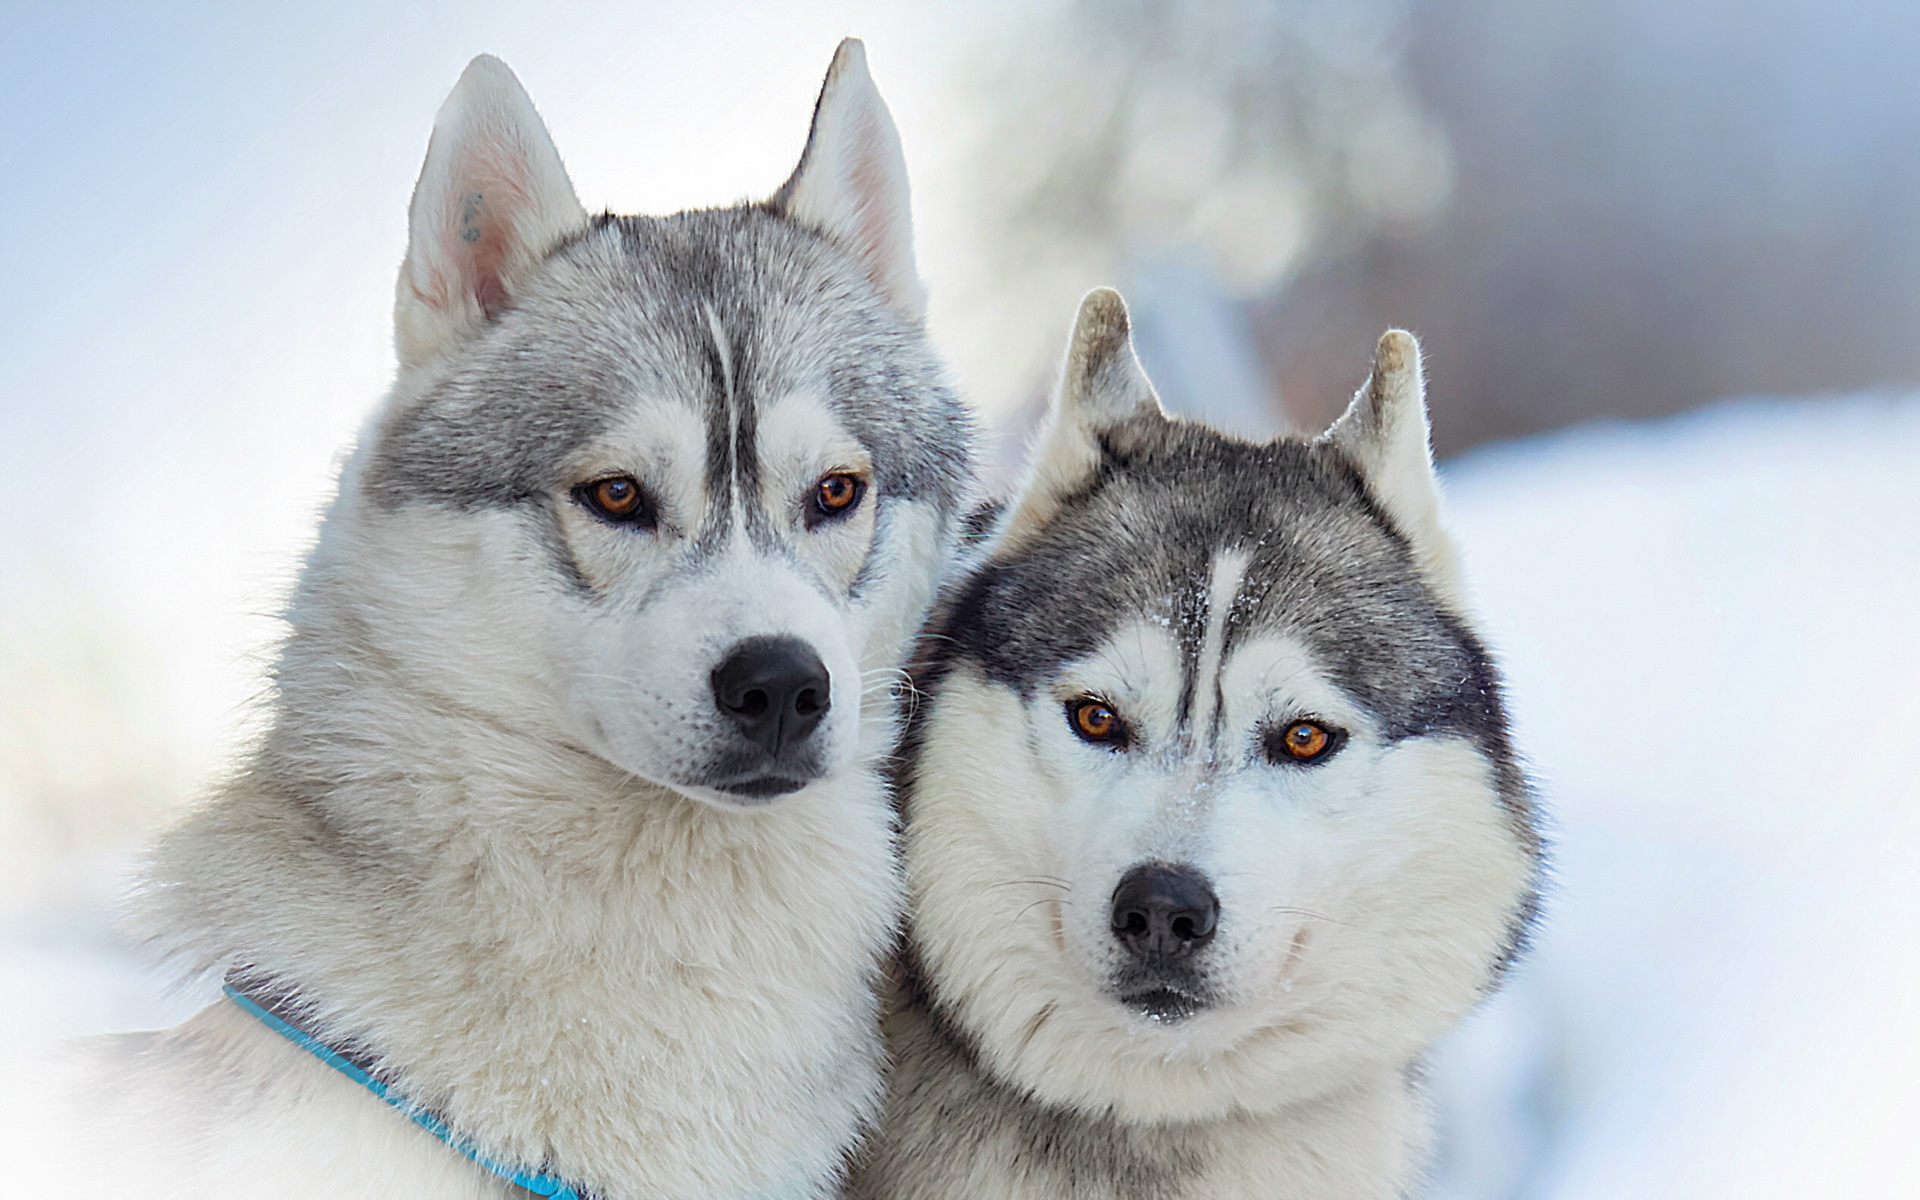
pixel 277 1011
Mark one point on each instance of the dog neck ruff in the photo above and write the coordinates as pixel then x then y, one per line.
pixel 278 1011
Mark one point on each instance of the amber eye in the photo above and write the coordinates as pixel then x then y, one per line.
pixel 618 498
pixel 836 495
pixel 1093 720
pixel 1303 742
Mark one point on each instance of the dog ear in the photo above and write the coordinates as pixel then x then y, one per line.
pixel 851 184
pixel 492 200
pixel 1384 432
pixel 1102 389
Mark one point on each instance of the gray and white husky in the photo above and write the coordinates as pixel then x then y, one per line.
pixel 569 828
pixel 1212 823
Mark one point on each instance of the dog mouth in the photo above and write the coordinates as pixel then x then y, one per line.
pixel 753 780
pixel 762 788
pixel 1166 1004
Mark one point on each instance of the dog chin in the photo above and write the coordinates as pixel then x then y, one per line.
pixel 760 791
pixel 1165 997
pixel 731 794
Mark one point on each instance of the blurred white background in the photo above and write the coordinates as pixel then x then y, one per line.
pixel 1594 214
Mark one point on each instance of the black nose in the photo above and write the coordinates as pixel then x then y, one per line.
pixel 775 689
pixel 1163 912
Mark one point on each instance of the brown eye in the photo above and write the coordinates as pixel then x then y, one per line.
pixel 1303 742
pixel 618 498
pixel 1094 721
pixel 836 495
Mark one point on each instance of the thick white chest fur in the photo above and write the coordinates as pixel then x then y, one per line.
pixel 680 1006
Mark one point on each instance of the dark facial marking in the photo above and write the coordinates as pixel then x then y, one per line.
pixel 1189 603
pixel 720 386
pixel 621 311
pixel 746 465
pixel 870 566
pixel 544 520
pixel 1325 564
pixel 1142 539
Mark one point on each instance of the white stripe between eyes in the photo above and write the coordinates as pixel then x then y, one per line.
pixel 720 347
pixel 1229 569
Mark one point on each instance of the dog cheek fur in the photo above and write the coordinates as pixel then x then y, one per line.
pixel 1013 1080
pixel 1420 881
pixel 633 1003
pixel 1408 888
pixel 472 836
pixel 977 823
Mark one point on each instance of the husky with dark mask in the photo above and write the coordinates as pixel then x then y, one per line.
pixel 1212 821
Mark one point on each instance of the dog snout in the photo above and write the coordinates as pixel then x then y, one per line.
pixel 1163 913
pixel 775 690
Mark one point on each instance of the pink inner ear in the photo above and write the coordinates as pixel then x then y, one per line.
pixel 477 228
pixel 487 268
pixel 867 180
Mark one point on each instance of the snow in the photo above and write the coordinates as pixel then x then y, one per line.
pixel 1708 628
pixel 1708 625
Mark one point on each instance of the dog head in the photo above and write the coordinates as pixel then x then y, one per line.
pixel 1212 797
pixel 672 490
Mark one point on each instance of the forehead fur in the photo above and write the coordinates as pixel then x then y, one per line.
pixel 1324 564
pixel 711 308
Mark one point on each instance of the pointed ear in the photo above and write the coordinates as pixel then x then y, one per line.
pixel 851 183
pixel 492 200
pixel 1102 387
pixel 1384 432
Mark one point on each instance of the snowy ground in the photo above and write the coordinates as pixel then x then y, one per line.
pixel 1709 629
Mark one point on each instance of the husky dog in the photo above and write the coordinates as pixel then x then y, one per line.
pixel 1212 821
pixel 568 830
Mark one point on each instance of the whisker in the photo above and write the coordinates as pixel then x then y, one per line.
pixel 1308 913
pixel 1037 903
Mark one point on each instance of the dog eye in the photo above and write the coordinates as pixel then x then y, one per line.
pixel 1303 742
pixel 617 498
pixel 1093 720
pixel 835 496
